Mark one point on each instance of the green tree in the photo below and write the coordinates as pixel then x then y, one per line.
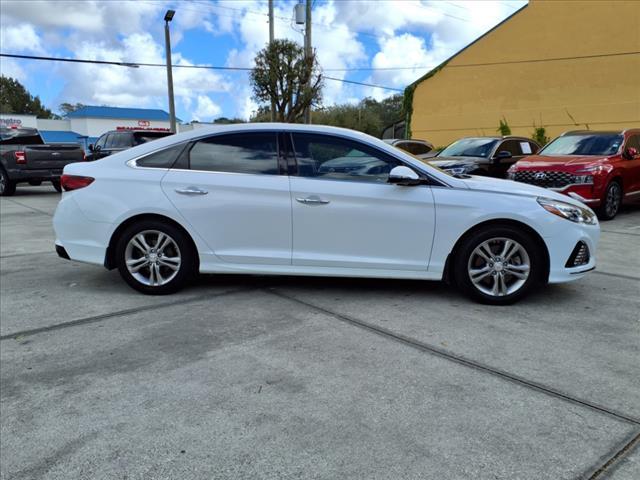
pixel 227 121
pixel 284 76
pixel 67 108
pixel 504 127
pixel 15 98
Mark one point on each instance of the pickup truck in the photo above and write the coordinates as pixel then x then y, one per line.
pixel 26 158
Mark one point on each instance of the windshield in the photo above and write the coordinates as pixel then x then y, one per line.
pixel 584 145
pixel 470 147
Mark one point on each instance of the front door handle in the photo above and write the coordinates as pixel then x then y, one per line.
pixel 191 191
pixel 312 200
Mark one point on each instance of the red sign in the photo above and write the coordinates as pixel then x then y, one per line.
pixel 148 129
pixel 144 123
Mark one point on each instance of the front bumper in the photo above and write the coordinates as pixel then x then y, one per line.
pixel 561 247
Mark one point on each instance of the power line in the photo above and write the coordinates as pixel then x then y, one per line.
pixel 364 84
pixel 136 65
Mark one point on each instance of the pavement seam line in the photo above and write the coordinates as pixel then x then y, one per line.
pixel 13 255
pixel 612 460
pixel 30 207
pixel 119 313
pixel 424 347
pixel 617 275
pixel 621 233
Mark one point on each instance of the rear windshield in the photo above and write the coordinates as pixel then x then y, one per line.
pixel 17 137
pixel 144 137
pixel 584 145
pixel 470 147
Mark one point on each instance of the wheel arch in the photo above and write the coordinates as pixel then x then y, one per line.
pixel 109 258
pixel 449 270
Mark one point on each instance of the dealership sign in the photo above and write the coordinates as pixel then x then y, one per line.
pixel 10 122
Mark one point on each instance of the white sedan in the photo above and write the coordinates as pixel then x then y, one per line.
pixel 314 200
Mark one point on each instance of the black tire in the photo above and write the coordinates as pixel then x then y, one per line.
pixel 56 185
pixel 7 187
pixel 611 202
pixel 184 252
pixel 465 259
pixel 35 183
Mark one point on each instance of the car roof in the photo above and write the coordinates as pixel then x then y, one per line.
pixel 497 137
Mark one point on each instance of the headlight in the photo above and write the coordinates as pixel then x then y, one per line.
pixel 461 170
pixel 583 179
pixel 568 211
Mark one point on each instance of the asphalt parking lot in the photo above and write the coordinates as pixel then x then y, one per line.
pixel 256 377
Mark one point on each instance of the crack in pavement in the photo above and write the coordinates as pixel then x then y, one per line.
pixel 612 460
pixel 30 207
pixel 617 275
pixel 425 347
pixel 119 313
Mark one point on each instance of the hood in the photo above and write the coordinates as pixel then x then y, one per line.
pixel 544 161
pixel 509 187
pixel 452 162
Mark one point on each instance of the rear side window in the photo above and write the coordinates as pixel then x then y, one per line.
pixel 254 153
pixel 110 140
pixel 634 142
pixel 161 159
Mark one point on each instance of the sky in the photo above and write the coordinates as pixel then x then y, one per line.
pixel 347 35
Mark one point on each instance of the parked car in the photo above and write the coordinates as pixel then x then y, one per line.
pixel 490 156
pixel 601 169
pixel 418 148
pixel 118 140
pixel 25 158
pixel 258 199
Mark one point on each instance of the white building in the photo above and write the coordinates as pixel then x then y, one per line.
pixel 86 124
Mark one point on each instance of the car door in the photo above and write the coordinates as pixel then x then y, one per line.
pixel 233 191
pixel 632 168
pixel 97 148
pixel 346 215
pixel 499 166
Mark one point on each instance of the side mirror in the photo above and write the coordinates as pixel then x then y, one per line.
pixel 630 153
pixel 402 175
pixel 91 147
pixel 503 154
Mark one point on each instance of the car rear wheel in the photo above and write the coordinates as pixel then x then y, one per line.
pixel 155 258
pixel 611 201
pixel 498 265
pixel 7 187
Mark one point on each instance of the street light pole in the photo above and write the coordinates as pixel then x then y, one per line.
pixel 307 53
pixel 271 36
pixel 167 40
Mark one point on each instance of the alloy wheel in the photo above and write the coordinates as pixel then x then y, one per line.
pixel 499 267
pixel 152 258
pixel 612 202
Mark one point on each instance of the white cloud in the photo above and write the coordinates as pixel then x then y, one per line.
pixel 20 38
pixel 206 109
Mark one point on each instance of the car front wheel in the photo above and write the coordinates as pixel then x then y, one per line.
pixel 498 265
pixel 155 258
pixel 611 202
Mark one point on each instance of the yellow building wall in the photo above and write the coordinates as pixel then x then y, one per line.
pixel 597 93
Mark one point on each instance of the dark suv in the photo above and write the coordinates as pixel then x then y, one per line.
pixel 118 140
pixel 491 156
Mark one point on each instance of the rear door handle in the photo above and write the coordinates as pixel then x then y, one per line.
pixel 191 191
pixel 312 200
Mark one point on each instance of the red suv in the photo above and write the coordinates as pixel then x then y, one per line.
pixel 601 169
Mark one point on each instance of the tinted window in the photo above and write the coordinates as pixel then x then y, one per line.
pixel 604 144
pixel 121 140
pixel 634 142
pixel 415 148
pixel 110 140
pixel 470 147
pixel 335 158
pixel 161 159
pixel 255 153
pixel 144 137
pixel 101 141
pixel 511 146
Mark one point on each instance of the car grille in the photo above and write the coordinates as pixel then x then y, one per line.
pixel 547 179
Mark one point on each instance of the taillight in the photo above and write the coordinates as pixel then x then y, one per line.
pixel 74 182
pixel 20 156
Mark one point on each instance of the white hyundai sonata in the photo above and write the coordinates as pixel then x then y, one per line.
pixel 314 200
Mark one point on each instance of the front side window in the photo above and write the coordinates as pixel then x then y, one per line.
pixel 584 144
pixel 634 142
pixel 254 153
pixel 333 158
pixel 122 140
pixel 101 141
pixel 111 140
pixel 470 147
pixel 511 146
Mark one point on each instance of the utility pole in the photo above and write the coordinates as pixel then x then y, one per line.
pixel 307 52
pixel 271 36
pixel 167 41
